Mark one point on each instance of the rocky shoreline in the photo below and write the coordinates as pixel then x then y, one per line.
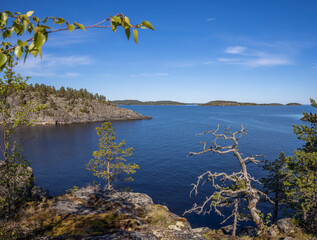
pixel 100 114
pixel 92 213
pixel 59 110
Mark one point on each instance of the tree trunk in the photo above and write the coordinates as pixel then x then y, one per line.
pixel 254 212
pixel 275 212
pixel 235 221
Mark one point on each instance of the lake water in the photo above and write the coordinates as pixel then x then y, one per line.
pixel 58 154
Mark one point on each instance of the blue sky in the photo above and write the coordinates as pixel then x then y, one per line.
pixel 250 51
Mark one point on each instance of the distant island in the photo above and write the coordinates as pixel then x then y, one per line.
pixel 234 103
pixel 67 105
pixel 211 103
pixel 137 102
pixel 293 104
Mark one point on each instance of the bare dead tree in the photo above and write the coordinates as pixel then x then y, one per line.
pixel 239 186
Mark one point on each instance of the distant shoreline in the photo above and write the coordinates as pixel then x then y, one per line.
pixel 211 103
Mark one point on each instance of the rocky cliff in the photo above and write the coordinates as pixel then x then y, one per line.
pixel 63 110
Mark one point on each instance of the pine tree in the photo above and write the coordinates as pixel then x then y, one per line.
pixel 110 160
pixel 273 182
pixel 301 185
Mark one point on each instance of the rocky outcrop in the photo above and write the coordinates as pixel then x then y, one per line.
pixel 92 213
pixel 96 113
pixel 59 110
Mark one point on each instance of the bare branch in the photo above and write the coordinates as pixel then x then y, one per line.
pixel 240 188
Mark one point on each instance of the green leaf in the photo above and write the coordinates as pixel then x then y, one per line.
pixel 4 16
pixel 117 19
pixel 18 51
pixel 127 21
pixel 39 39
pixel 9 13
pixel 36 19
pixel 29 13
pixel 113 27
pixel 70 27
pixel 135 35
pixel 34 52
pixel 3 59
pixel 127 32
pixel 80 26
pixel 45 19
pixel 60 21
pixel 147 24
pixel 22 44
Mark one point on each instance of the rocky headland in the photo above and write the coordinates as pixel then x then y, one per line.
pixel 66 106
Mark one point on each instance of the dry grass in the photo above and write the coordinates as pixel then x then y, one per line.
pixel 159 215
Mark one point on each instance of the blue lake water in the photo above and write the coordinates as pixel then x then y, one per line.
pixel 58 154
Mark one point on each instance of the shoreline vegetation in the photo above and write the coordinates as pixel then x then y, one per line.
pixel 211 103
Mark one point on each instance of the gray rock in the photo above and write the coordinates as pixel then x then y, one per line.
pixel 125 235
pixel 248 231
pixel 272 231
pixel 285 225
pixel 227 229
pixel 38 193
pixel 201 231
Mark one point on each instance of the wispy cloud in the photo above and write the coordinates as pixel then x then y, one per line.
pixel 210 19
pixel 71 74
pixel 235 50
pixel 229 60
pixel 159 74
pixel 258 62
pixel 52 65
pixel 268 62
pixel 255 57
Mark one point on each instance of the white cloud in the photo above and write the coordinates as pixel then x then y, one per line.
pixel 208 62
pixel 235 50
pixel 159 74
pixel 71 74
pixel 253 57
pixel 210 19
pixel 228 60
pixel 258 62
pixel 51 65
pixel 268 62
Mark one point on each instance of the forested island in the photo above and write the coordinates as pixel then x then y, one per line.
pixel 234 103
pixel 67 105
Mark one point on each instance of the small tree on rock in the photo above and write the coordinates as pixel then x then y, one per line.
pixel 229 188
pixel 109 162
